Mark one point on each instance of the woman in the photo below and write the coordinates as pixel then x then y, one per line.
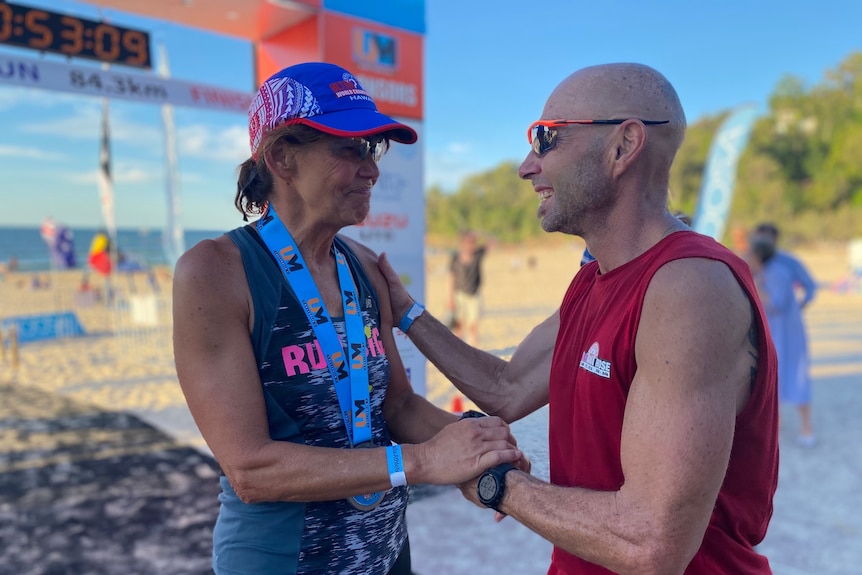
pixel 778 275
pixel 268 316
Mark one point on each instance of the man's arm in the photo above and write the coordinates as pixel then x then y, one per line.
pixel 695 365
pixel 510 389
pixel 410 417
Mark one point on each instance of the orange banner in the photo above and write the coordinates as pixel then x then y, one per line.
pixel 299 43
pixel 386 61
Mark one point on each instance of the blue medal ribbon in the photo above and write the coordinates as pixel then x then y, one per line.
pixel 349 376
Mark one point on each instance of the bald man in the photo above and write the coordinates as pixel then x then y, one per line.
pixel 658 367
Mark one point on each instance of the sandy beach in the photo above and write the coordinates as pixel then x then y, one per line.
pixel 129 341
pixel 517 296
pixel 107 404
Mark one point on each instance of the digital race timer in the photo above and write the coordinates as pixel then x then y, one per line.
pixel 46 31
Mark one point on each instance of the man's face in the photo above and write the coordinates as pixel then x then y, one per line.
pixel 580 187
pixel 570 179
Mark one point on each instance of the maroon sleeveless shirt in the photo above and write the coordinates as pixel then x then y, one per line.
pixel 592 370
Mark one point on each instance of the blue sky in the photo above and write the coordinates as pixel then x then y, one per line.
pixel 489 66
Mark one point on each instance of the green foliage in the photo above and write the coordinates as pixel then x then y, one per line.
pixel 802 170
pixel 496 202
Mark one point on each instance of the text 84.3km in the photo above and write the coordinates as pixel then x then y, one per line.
pixel 116 85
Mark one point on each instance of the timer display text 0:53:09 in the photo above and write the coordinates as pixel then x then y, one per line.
pixel 46 31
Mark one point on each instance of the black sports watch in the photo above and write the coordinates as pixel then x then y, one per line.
pixel 471 413
pixel 492 485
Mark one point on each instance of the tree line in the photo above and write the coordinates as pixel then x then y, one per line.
pixel 802 169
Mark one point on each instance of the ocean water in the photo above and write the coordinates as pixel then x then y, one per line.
pixel 25 244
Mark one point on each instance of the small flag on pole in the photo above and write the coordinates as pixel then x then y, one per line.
pixel 60 243
pixel 100 254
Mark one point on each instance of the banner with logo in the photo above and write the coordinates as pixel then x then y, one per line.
pixel 719 178
pixel 44 326
pixel 396 225
pixel 386 61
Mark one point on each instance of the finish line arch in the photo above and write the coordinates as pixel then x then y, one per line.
pixel 381 42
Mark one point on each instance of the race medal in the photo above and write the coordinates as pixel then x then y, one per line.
pixel 367 501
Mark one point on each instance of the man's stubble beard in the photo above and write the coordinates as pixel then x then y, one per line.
pixel 586 203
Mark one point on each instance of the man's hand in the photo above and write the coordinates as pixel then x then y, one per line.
pixel 465 449
pixel 470 491
pixel 399 300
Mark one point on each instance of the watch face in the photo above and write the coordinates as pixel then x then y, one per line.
pixel 487 487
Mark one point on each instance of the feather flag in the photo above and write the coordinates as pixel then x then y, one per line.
pixel 719 177
pixel 100 249
pixel 173 240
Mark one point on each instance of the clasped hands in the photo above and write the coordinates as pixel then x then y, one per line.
pixel 465 449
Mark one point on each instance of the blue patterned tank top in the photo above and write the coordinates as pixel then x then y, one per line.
pixel 302 407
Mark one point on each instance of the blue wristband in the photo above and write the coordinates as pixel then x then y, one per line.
pixel 415 311
pixel 395 463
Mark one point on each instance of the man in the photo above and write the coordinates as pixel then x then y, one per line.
pixel 464 302
pixel 658 367
pixel 777 274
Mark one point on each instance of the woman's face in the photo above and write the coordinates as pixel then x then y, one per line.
pixel 333 178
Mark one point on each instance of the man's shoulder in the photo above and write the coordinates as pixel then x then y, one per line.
pixel 692 279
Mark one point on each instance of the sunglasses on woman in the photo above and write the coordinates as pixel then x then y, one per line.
pixel 361 148
pixel 542 134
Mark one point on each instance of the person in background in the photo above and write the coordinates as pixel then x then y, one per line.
pixel 786 288
pixel 465 301
pixel 586 257
pixel 658 369
pixel 285 353
pixel 683 217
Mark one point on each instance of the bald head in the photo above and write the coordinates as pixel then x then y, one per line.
pixel 620 91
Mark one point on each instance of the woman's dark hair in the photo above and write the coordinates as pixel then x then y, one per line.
pixel 254 183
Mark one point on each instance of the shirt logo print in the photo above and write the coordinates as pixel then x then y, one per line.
pixel 591 362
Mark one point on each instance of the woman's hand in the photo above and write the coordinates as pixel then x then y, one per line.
pixel 463 450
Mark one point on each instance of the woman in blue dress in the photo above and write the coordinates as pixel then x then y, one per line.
pixel 780 278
